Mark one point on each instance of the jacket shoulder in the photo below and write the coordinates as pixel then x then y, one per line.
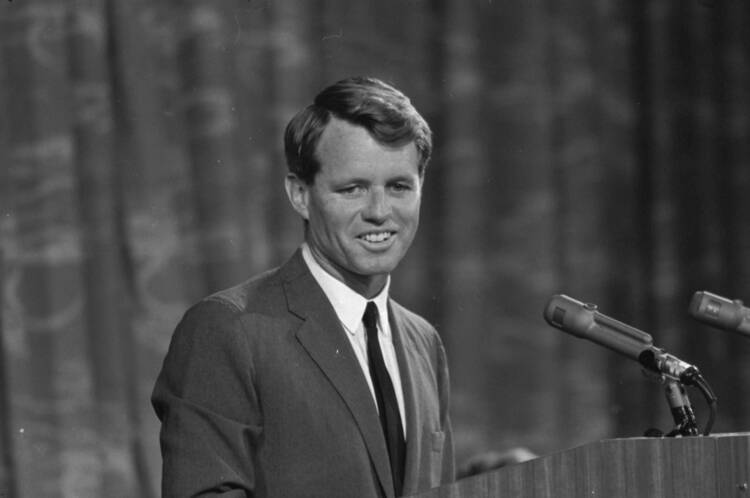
pixel 262 293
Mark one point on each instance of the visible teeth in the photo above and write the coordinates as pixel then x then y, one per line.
pixel 377 237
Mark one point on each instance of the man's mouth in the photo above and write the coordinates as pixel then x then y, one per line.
pixel 377 237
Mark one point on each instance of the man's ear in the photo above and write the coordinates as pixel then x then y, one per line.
pixel 299 194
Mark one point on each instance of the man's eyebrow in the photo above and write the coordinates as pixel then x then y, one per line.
pixel 367 181
pixel 402 178
pixel 351 179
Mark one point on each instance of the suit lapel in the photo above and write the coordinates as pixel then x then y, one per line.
pixel 405 355
pixel 324 339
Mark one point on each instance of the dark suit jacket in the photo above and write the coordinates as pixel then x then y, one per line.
pixel 261 395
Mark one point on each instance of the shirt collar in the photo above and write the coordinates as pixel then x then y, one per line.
pixel 348 304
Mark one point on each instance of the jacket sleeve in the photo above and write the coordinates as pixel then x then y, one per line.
pixel 208 407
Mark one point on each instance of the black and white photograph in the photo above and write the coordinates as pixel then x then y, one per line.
pixel 358 249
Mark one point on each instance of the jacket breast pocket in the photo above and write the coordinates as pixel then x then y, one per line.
pixel 438 439
pixel 436 457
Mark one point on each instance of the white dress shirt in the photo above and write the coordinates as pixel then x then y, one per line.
pixel 350 307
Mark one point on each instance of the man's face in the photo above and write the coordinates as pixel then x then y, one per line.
pixel 362 208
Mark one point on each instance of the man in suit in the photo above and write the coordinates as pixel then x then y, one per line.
pixel 309 380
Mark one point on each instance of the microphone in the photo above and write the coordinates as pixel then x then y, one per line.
pixel 720 312
pixel 584 321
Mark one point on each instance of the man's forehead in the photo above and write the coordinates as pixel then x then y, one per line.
pixel 339 136
pixel 341 130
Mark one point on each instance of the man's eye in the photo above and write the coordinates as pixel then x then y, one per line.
pixel 350 189
pixel 401 187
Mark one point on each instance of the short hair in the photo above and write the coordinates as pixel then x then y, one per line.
pixel 384 111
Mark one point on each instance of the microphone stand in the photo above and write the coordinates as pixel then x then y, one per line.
pixel 679 404
pixel 682 412
pixel 674 373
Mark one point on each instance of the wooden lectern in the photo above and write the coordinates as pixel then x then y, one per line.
pixel 716 466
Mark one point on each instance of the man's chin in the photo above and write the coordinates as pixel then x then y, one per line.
pixel 375 268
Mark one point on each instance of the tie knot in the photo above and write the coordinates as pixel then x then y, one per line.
pixel 370 318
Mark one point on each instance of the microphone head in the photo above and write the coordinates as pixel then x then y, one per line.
pixel 720 312
pixel 570 315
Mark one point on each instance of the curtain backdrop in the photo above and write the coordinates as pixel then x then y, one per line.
pixel 596 148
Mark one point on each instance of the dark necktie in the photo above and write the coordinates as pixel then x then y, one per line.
pixel 390 418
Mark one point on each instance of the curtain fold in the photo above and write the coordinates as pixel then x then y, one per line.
pixel 109 349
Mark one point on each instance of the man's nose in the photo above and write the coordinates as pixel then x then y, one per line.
pixel 378 206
